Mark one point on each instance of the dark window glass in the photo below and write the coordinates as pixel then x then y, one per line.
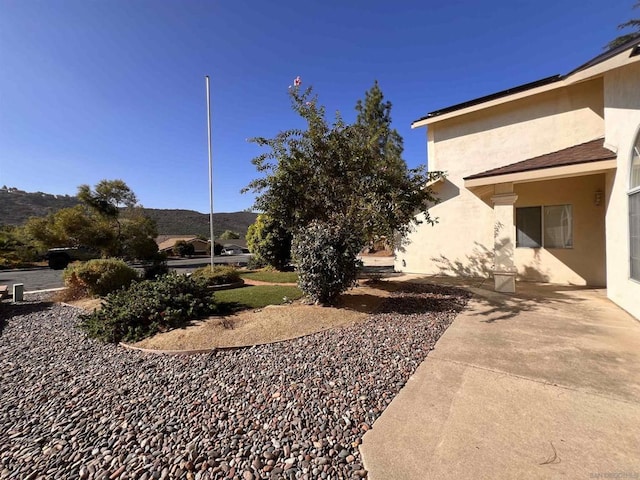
pixel 529 227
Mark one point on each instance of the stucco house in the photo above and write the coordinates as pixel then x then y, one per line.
pixel 542 183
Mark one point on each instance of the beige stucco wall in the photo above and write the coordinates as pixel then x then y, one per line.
pixel 622 121
pixel 585 263
pixel 461 243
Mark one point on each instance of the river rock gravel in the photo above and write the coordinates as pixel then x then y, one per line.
pixel 73 408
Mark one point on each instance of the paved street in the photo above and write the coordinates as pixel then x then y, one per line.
pixel 45 278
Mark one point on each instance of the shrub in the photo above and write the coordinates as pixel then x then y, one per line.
pixel 256 262
pixel 183 249
pixel 269 242
pixel 157 268
pixel 149 307
pixel 325 254
pixel 218 275
pixel 99 276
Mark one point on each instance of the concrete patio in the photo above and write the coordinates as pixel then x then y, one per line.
pixel 541 384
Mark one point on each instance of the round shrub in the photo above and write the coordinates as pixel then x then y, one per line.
pixel 149 307
pixel 218 275
pixel 100 276
pixel 325 254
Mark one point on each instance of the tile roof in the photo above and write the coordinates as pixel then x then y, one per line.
pixel 593 151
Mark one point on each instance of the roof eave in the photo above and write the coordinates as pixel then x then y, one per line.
pixel 597 66
pixel 548 173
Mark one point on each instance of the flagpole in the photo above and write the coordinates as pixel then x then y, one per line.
pixel 213 243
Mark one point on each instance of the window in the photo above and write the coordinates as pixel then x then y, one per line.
pixel 634 212
pixel 634 234
pixel 548 227
pixel 529 227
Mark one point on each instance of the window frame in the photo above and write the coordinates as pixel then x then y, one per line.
pixel 633 191
pixel 541 242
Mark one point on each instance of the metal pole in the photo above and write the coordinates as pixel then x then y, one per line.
pixel 213 242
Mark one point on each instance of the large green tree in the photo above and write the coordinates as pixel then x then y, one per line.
pixel 348 176
pixel 633 24
pixel 108 220
pixel 339 171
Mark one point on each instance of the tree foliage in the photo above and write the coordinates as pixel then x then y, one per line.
pixel 183 249
pixel 229 235
pixel 353 172
pixel 269 241
pixel 108 197
pixel 14 249
pixel 633 24
pixel 341 175
pixel 98 222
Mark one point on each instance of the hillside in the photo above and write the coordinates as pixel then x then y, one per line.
pixel 177 222
pixel 16 206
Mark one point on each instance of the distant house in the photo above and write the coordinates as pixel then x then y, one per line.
pixel 543 183
pixel 238 247
pixel 167 242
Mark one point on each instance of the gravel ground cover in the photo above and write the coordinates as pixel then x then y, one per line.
pixel 71 407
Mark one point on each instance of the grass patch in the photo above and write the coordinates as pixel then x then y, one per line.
pixel 272 276
pixel 258 296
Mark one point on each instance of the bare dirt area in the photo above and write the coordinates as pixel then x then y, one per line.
pixel 274 323
pixel 88 304
pixel 271 324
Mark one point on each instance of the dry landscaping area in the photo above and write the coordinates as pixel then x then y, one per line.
pixel 273 323
pixel 73 407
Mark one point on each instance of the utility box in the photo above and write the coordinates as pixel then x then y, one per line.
pixel 18 292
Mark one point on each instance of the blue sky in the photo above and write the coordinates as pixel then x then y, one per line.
pixel 115 89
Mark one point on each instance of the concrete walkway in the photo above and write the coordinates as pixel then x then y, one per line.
pixel 541 385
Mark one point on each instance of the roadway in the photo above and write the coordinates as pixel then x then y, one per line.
pixel 45 278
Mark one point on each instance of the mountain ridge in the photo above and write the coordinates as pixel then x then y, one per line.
pixel 17 206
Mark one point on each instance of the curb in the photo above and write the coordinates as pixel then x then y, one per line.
pixel 47 290
pixel 30 269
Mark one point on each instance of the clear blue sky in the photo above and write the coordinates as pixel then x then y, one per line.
pixel 115 89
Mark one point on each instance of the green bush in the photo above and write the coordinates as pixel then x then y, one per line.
pixel 149 307
pixel 100 276
pixel 218 275
pixel 157 268
pixel 269 242
pixel 325 254
pixel 183 249
pixel 256 262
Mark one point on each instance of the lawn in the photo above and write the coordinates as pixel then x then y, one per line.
pixel 258 296
pixel 271 276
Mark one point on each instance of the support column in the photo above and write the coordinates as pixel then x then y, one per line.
pixel 504 269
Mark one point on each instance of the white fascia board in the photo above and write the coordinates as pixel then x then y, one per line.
pixel 566 171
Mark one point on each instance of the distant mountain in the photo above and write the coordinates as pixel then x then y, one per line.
pixel 16 206
pixel 190 222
